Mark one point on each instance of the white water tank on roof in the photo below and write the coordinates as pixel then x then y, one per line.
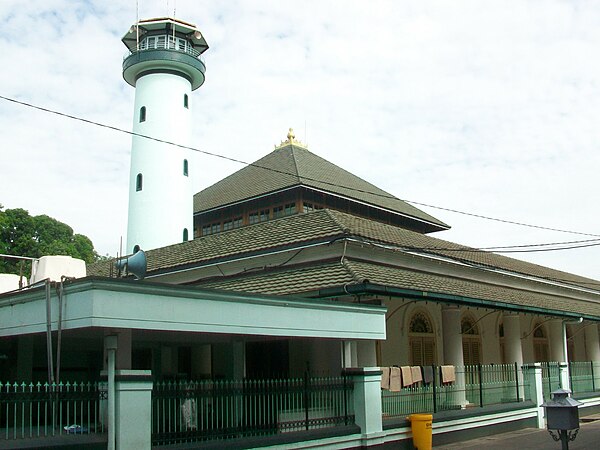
pixel 55 267
pixel 8 282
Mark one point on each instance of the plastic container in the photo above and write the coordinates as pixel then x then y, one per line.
pixel 420 425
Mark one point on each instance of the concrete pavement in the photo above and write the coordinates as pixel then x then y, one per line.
pixel 534 439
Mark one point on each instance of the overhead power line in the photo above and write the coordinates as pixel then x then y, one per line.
pixel 239 161
pixel 531 248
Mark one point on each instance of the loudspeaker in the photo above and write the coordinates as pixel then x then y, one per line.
pixel 136 265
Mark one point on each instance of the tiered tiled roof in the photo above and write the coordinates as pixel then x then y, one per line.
pixel 327 225
pixel 298 280
pixel 293 165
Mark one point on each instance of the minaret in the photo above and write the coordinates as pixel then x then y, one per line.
pixel 164 66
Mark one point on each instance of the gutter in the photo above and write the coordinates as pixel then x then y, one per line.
pixel 367 288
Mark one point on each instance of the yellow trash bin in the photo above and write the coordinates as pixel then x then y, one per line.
pixel 421 430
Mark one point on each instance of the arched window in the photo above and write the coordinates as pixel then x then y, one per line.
pixel 143 114
pixel 540 343
pixel 185 235
pixel 186 102
pixel 421 340
pixel 139 181
pixel 185 167
pixel 136 248
pixel 470 341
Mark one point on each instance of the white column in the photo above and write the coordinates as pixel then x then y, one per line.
pixel 452 338
pixel 513 348
pixel 512 338
pixel 592 349
pixel 346 354
pixel 453 351
pixel 557 352
pixel 592 344
pixel 350 354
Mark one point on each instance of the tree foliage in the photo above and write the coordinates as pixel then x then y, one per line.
pixel 24 235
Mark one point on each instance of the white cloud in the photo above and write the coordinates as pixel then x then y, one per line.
pixel 484 107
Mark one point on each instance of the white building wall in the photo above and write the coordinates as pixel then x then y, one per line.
pixel 160 211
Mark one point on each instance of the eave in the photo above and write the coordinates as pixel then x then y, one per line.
pixel 370 289
pixel 119 303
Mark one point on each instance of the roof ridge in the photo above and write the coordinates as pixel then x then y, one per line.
pixel 333 215
pixel 297 171
pixel 350 270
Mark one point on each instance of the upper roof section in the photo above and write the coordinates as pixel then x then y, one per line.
pixel 291 165
pixel 159 25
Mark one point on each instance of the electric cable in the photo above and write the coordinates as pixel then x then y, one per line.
pixel 282 172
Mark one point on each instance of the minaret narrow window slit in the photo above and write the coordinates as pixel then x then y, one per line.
pixel 143 114
pixel 139 180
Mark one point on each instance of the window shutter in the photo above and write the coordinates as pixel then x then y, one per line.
pixel 416 352
pixel 476 352
pixel 428 351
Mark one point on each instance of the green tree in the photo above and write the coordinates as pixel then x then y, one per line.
pixel 24 235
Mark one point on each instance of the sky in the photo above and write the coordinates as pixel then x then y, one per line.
pixel 486 107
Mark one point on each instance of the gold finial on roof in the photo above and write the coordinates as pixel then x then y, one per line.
pixel 291 139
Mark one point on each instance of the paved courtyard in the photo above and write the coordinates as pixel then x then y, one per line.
pixel 534 439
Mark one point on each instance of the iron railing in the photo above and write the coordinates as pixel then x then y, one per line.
pixel 36 410
pixel 165 42
pixel 584 376
pixel 226 409
pixel 550 378
pixel 476 385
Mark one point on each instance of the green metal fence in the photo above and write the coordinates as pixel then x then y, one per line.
pixel 35 410
pixel 584 377
pixel 477 385
pixel 550 378
pixel 226 409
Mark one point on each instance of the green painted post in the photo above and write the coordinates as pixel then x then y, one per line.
pixel 480 386
pixel 434 390
pixel 517 380
pixel 345 399
pixel 306 398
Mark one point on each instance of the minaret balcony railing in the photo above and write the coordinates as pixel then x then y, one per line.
pixel 165 43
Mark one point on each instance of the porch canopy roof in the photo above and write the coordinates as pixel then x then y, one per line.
pixel 123 303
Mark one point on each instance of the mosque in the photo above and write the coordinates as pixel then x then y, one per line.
pixel 289 266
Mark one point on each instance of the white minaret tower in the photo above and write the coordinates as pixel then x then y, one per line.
pixel 164 66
